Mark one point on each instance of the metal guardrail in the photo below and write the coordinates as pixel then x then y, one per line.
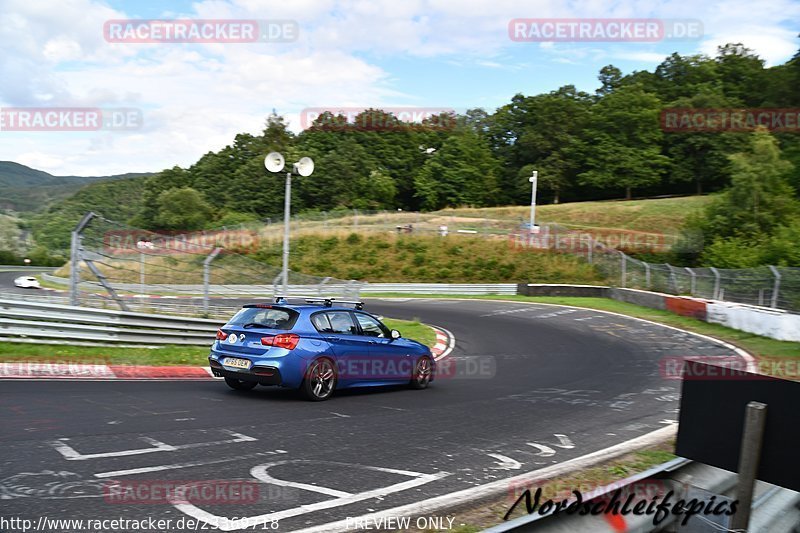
pixel 774 509
pixel 441 288
pixel 351 288
pixel 26 321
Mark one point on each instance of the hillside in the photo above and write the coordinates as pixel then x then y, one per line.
pixel 24 189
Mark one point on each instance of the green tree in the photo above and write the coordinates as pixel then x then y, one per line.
pixel 759 199
pixel 182 209
pixel 462 172
pixel 702 158
pixel 622 149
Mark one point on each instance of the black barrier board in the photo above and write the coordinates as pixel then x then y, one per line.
pixel 712 416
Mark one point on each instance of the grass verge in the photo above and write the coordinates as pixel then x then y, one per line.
pixel 162 356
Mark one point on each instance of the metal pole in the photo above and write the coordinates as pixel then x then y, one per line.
pixel 776 288
pixel 533 180
pixel 749 456
pixel 74 268
pixel 207 276
pixel 287 207
pixel 590 253
pixel 141 274
pixel 672 279
pixel 647 274
pixel 75 258
pixel 693 283
pixel 716 283
pixel 624 267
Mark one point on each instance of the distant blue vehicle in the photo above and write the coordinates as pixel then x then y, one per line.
pixel 317 347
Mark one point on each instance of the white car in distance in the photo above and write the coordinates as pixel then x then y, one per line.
pixel 27 282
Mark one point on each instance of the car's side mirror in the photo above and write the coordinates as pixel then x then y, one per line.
pixel 395 334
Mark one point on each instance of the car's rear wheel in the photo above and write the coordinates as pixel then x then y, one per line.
pixel 320 380
pixel 239 384
pixel 423 371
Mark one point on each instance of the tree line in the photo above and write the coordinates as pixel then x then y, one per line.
pixel 609 144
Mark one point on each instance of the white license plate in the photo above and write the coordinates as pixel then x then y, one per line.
pixel 236 363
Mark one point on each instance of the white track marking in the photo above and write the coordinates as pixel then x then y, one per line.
pixel 71 454
pixel 544 451
pixel 499 487
pixel 565 441
pixel 253 521
pixel 178 466
pixel 505 463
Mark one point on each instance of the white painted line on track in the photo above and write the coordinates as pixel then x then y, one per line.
pixel 499 487
pixel 178 466
pixel 253 521
pixel 505 463
pixel 71 454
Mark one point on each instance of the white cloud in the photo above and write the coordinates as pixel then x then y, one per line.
pixel 195 98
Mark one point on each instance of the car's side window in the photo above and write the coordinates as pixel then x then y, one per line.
pixel 342 322
pixel 321 322
pixel 370 326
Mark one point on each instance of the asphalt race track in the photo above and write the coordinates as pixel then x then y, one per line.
pixel 533 385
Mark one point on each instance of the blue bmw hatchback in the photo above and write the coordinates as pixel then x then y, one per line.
pixel 317 347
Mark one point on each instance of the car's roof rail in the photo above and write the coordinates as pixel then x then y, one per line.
pixel 327 301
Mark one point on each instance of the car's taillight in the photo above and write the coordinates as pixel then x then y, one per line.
pixel 221 335
pixel 286 340
pixel 267 341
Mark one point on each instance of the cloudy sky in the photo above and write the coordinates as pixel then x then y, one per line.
pixel 417 53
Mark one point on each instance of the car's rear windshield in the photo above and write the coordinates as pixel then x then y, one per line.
pixel 270 318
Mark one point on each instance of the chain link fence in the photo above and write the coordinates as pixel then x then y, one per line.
pixel 768 286
pixel 119 264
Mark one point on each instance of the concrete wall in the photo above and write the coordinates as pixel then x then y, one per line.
pixel 544 289
pixel 653 300
pixel 772 323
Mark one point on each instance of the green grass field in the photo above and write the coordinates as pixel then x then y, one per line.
pixel 658 215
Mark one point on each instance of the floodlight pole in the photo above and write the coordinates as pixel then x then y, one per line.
pixel 274 162
pixel 287 208
pixel 532 179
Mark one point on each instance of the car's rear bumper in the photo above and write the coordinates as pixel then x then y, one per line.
pixel 265 375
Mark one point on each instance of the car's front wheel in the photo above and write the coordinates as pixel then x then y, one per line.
pixel 423 371
pixel 239 384
pixel 320 380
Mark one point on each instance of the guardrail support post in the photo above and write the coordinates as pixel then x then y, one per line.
pixel 624 268
pixel 715 296
pixel 749 456
pixel 776 288
pixel 207 276
pixel 646 274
